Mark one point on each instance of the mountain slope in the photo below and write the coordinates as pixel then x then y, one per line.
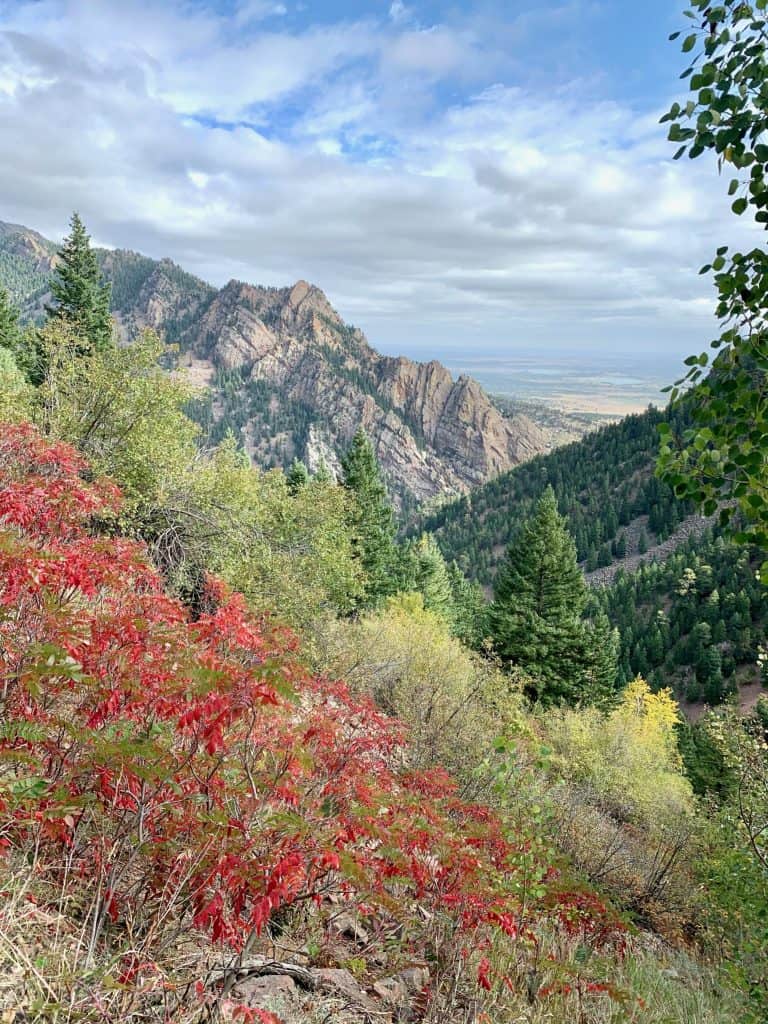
pixel 688 607
pixel 293 379
pixel 26 259
pixel 604 484
pixel 216 806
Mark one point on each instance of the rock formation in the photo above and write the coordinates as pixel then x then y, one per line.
pixel 301 381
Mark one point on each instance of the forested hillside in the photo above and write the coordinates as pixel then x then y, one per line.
pixel 693 619
pixel 603 483
pixel 25 265
pixel 696 621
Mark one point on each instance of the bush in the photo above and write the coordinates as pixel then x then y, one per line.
pixel 628 756
pixel 15 393
pixel 454 702
pixel 623 810
pixel 287 551
pixel 162 777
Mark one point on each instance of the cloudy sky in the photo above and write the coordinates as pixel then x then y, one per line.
pixel 477 174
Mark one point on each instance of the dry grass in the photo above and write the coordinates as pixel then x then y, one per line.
pixel 49 971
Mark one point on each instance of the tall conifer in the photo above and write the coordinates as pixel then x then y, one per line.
pixel 22 343
pixel 602 644
pixel 297 476
pixel 431 578
pixel 323 474
pixel 470 608
pixel 372 520
pixel 10 332
pixel 80 296
pixel 536 617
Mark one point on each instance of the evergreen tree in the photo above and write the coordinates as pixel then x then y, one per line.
pixel 536 617
pixel 470 608
pixel 604 556
pixel 372 521
pixel 80 296
pixel 10 332
pixel 297 476
pixel 602 644
pixel 24 345
pixel 323 474
pixel 703 760
pixel 431 578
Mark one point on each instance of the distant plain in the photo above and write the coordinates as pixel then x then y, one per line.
pixel 604 383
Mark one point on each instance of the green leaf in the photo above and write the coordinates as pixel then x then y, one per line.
pixel 689 42
pixel 739 206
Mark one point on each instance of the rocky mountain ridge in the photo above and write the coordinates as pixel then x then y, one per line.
pixel 294 380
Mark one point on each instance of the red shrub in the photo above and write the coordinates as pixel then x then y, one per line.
pixel 196 764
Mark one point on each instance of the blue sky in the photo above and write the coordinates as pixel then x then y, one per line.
pixel 470 175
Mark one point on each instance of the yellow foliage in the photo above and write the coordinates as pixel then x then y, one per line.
pixel 649 719
pixel 628 756
pixel 15 394
pixel 454 702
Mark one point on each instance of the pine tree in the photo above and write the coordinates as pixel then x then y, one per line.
pixel 536 617
pixel 470 608
pixel 297 476
pixel 10 332
pixel 602 646
pixel 372 521
pixel 24 345
pixel 81 297
pixel 323 474
pixel 604 556
pixel 431 578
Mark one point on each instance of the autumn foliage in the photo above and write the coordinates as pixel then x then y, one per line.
pixel 188 770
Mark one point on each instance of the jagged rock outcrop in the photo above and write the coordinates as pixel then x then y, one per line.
pixel 299 381
pixel 432 434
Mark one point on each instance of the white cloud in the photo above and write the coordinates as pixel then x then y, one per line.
pixel 399 13
pixel 250 11
pixel 436 51
pixel 505 213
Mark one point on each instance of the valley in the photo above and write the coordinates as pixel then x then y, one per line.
pixel 591 383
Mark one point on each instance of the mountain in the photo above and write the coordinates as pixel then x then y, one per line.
pixel 26 259
pixel 292 379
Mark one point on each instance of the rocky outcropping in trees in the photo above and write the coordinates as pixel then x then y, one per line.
pixel 294 380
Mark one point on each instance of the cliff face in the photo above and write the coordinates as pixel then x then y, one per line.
pixel 296 381
pixel 432 434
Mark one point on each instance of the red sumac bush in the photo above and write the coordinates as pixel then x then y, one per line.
pixel 194 768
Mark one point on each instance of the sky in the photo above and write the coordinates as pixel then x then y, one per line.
pixel 474 176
